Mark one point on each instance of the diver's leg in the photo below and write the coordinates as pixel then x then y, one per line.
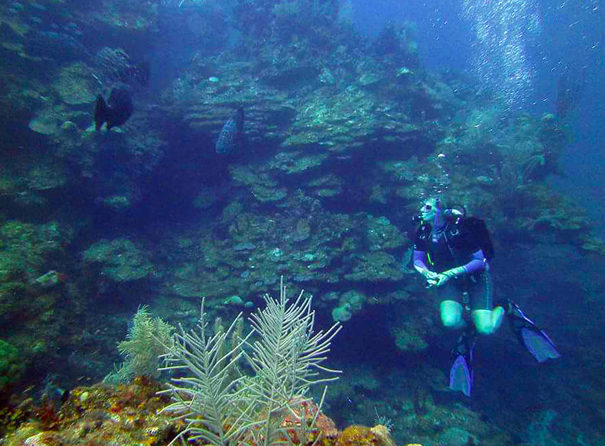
pixel 461 370
pixel 451 310
pixel 451 314
pixel 485 318
pixel 487 321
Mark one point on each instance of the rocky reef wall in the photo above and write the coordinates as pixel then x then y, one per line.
pixel 344 136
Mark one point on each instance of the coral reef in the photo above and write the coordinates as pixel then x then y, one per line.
pixel 130 414
pixel 11 365
pixel 119 260
pixel 98 415
pixel 344 136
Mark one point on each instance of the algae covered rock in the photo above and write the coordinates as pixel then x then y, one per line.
pixel 11 365
pixel 120 260
pixel 326 186
pixel 28 306
pixel 26 249
pixel 375 266
pixel 409 338
pixel 47 121
pixel 350 302
pixel 99 414
pixel 74 85
pixel 261 185
pixel 381 234
pixel 46 176
pixel 295 162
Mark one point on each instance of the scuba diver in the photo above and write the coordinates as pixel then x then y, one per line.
pixel 451 251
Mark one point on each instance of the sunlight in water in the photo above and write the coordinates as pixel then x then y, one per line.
pixel 501 29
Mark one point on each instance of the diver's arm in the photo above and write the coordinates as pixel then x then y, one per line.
pixel 477 264
pixel 420 259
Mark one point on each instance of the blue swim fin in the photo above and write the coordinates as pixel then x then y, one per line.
pixel 461 371
pixel 461 376
pixel 538 344
pixel 530 335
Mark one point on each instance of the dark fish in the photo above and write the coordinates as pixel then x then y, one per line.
pixel 231 137
pixel 116 111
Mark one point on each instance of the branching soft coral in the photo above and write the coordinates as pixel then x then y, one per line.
pixel 222 408
pixel 146 341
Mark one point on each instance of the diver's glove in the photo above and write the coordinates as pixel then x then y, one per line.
pixel 430 276
pixel 450 273
pixel 426 273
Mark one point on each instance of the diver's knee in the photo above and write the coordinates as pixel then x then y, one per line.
pixel 451 314
pixel 451 320
pixel 487 321
pixel 484 328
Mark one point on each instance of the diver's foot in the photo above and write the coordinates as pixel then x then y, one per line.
pixel 466 342
pixel 512 309
pixel 461 371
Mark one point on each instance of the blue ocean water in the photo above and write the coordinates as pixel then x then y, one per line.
pixel 355 113
pixel 555 37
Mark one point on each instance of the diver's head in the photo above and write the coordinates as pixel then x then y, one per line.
pixel 430 212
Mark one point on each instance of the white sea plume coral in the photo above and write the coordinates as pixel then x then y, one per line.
pixel 207 397
pixel 223 407
pixel 287 358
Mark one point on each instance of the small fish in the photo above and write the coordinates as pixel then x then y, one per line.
pixel 231 137
pixel 116 111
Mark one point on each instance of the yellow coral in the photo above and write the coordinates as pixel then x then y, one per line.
pixel 383 435
pixel 357 436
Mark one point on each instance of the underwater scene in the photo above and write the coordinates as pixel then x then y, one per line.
pixel 302 222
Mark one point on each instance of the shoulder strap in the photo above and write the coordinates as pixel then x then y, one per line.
pixel 447 240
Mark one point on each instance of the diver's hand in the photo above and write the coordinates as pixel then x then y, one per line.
pixel 426 273
pixel 430 276
pixel 432 282
pixel 442 278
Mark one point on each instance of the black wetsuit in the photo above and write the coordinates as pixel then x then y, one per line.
pixel 451 247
